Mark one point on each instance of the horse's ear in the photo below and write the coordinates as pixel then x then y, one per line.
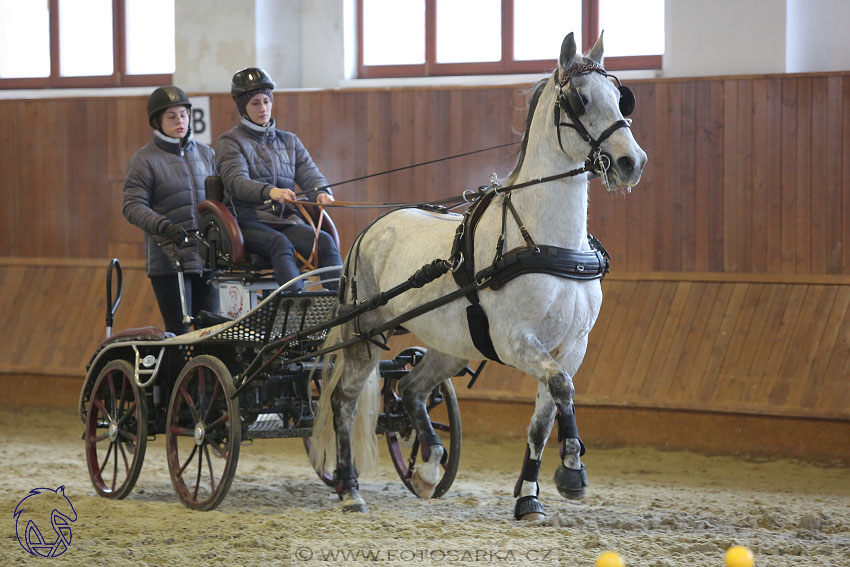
pixel 568 51
pixel 595 54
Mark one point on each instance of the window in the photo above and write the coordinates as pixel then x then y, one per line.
pixel 86 43
pixel 410 38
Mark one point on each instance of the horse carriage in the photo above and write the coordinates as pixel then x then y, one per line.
pixel 310 365
pixel 210 390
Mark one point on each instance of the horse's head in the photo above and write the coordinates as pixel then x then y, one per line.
pixel 590 109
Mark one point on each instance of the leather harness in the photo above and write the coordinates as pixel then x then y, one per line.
pixel 531 258
pixel 534 258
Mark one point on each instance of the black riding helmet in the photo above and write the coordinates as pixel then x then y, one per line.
pixel 250 79
pixel 162 98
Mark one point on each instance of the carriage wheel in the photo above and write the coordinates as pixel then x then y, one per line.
pixel 203 433
pixel 445 418
pixel 116 431
pixel 316 392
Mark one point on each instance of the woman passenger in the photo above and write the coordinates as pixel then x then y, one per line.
pixel 165 181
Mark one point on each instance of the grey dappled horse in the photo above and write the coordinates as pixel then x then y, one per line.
pixel 539 323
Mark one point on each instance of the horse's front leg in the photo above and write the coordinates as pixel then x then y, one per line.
pixel 415 390
pixel 555 377
pixel 527 489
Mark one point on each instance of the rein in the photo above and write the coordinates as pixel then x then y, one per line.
pixel 456 200
pixel 411 166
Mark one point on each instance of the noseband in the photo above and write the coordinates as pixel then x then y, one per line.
pixel 568 99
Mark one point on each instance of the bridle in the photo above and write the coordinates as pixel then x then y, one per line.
pixel 568 99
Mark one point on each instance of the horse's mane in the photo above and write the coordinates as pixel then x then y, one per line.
pixel 536 91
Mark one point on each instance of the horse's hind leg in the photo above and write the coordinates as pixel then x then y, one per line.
pixel 528 507
pixel 415 389
pixel 359 366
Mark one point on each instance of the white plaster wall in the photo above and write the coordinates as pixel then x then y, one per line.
pixel 214 39
pixel 309 43
pixel 323 40
pixel 817 39
pixel 279 40
pixel 724 37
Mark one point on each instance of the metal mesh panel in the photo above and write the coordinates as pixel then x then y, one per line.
pixel 251 329
pixel 281 317
pixel 304 312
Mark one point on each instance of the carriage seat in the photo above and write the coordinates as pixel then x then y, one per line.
pixel 148 333
pixel 225 249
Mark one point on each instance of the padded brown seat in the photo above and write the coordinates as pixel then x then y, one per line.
pixel 136 334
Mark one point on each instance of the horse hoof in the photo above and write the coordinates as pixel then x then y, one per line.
pixel 422 488
pixel 571 482
pixel 529 508
pixel 353 504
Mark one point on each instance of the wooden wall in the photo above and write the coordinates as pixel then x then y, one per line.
pixel 731 259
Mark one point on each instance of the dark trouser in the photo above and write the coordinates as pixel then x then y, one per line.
pixel 279 245
pixel 200 295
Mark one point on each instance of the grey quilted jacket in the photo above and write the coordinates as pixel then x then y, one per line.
pixel 164 184
pixel 254 159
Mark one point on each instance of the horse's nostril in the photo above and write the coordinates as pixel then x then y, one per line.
pixel 626 164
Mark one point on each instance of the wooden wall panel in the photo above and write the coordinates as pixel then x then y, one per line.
pixel 745 174
pixel 747 178
pixel 54 315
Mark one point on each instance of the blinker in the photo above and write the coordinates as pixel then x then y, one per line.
pixel 627 100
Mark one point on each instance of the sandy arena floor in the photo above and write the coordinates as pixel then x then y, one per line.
pixel 657 509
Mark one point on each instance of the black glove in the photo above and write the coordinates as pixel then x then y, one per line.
pixel 175 233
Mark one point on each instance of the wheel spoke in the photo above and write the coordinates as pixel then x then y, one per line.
pixel 119 410
pixel 202 390
pixel 216 390
pixel 106 458
pixel 130 411
pixel 111 383
pixel 99 405
pixel 189 460
pixel 414 450
pixel 124 456
pixel 190 403
pixel 198 479
pixel 441 426
pixel 222 419
pixel 99 438
pixel 129 436
pixel 210 467
pixel 182 431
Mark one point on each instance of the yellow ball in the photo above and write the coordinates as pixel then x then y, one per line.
pixel 739 556
pixel 610 559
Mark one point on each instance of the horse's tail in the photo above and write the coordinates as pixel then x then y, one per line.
pixel 364 442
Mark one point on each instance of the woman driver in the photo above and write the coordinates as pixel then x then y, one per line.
pixel 258 164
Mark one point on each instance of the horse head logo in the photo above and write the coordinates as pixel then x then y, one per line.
pixel 34 510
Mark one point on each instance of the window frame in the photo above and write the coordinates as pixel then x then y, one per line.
pixel 507 65
pixel 119 76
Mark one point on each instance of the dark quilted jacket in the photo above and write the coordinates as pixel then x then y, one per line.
pixel 164 184
pixel 253 159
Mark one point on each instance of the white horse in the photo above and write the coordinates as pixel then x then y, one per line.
pixel 539 322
